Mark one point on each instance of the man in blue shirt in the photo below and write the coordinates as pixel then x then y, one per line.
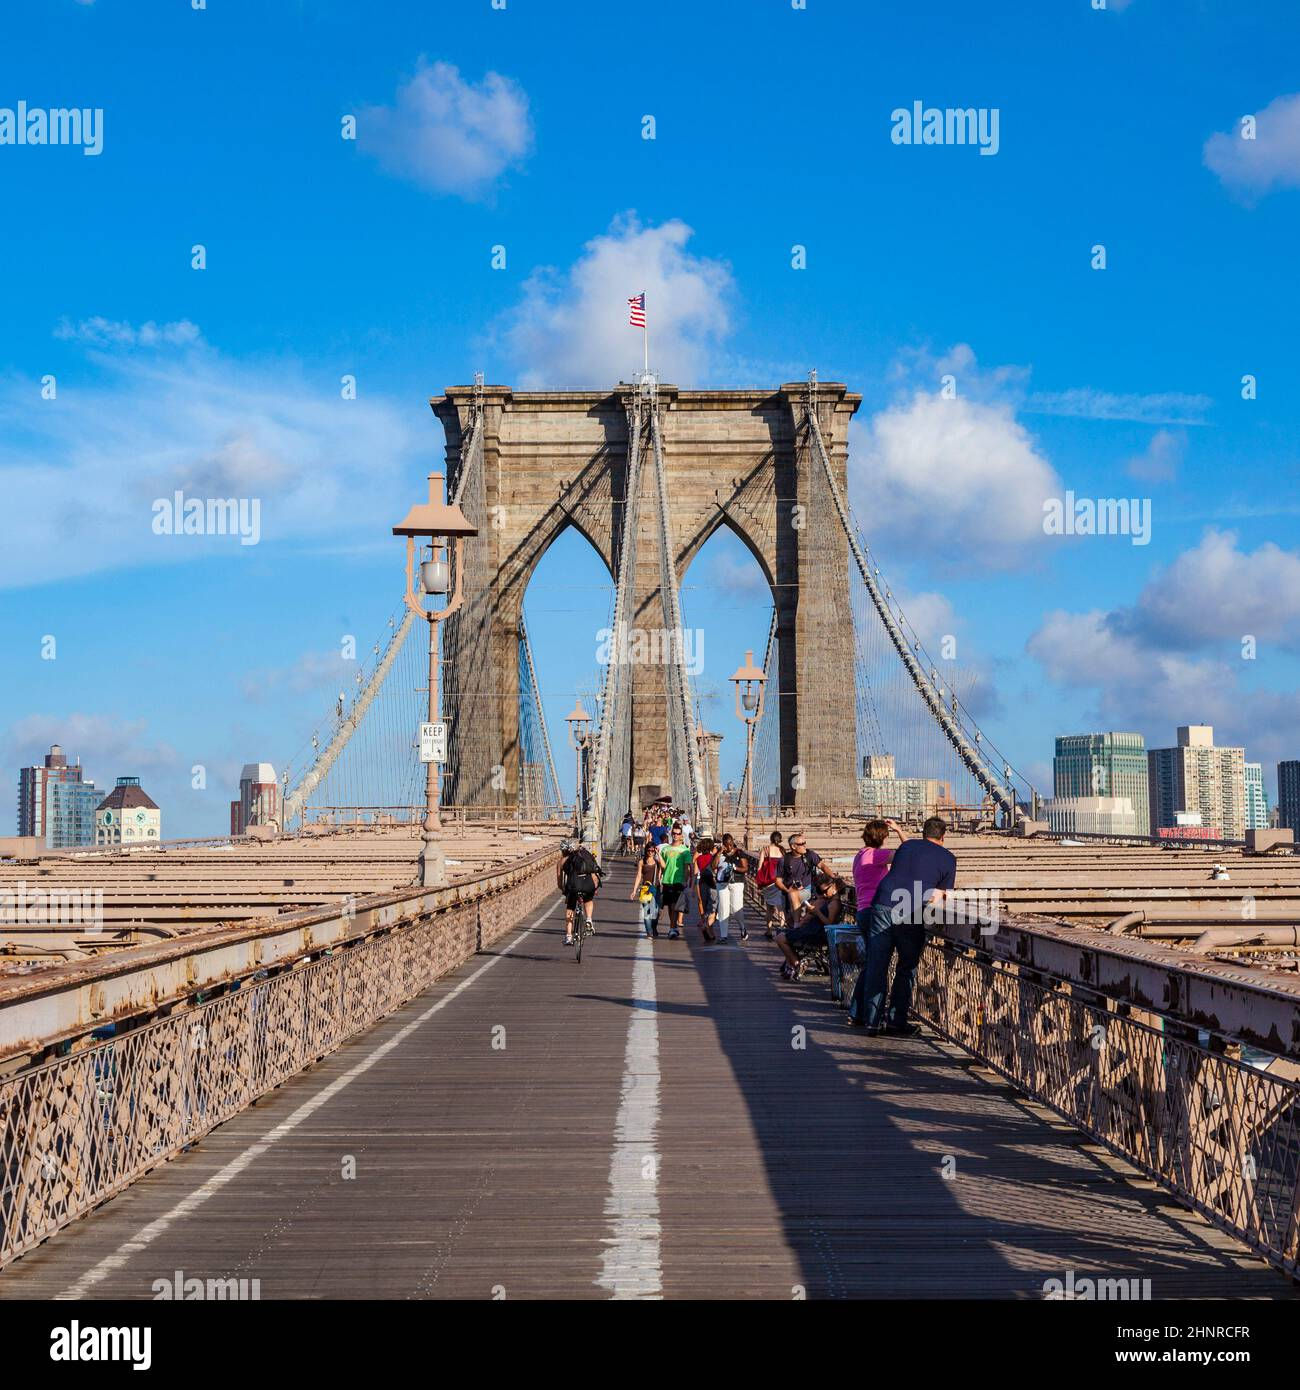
pixel 921 873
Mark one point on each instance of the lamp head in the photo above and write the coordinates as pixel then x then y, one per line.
pixel 747 672
pixel 435 518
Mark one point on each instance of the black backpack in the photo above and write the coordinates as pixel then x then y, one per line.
pixel 580 873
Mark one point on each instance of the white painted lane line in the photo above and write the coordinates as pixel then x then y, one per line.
pixel 631 1267
pixel 148 1234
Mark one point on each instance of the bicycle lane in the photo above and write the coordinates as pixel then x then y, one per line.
pixel 459 1149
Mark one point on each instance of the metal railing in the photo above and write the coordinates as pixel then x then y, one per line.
pixel 452 817
pixel 1221 1134
pixel 78 1130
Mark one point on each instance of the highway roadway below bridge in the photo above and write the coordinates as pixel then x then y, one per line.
pixel 663 1120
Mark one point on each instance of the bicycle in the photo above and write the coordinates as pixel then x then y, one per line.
pixel 581 930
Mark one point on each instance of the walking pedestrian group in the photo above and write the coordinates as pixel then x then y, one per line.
pixel 890 890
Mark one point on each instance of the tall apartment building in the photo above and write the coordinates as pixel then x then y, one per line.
pixel 1256 797
pixel 1288 795
pixel 56 803
pixel 127 816
pixel 1105 765
pixel 1197 777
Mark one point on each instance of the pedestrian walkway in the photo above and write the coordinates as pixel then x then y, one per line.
pixel 662 1120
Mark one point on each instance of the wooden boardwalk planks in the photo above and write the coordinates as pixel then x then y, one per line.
pixel 791 1162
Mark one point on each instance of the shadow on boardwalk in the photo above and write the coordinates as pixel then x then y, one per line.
pixel 899 1173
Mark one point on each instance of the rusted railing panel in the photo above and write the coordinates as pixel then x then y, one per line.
pixel 77 1130
pixel 1223 1135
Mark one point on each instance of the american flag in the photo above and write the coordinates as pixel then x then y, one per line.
pixel 636 310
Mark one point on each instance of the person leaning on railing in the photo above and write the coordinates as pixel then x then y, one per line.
pixel 922 872
pixel 871 863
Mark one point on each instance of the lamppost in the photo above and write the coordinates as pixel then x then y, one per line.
pixel 749 681
pixel 446 528
pixel 579 722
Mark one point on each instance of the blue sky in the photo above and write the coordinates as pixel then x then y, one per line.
pixel 523 127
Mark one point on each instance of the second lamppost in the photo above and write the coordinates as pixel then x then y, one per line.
pixel 579 722
pixel 749 680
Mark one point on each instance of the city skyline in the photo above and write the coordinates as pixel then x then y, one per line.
pixel 1094 776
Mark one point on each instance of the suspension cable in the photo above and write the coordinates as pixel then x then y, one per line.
pixel 967 751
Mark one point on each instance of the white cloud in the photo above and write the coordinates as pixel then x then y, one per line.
pixel 1159 462
pixel 90 463
pixel 1008 385
pixel 1140 687
pixel 952 478
pixel 1217 593
pixel 447 134
pixel 101 332
pixel 1156 408
pixel 1087 650
pixel 1142 663
pixel 571 328
pixel 737 576
pixel 929 615
pixel 921 366
pixel 312 673
pixel 107 746
pixel 1271 160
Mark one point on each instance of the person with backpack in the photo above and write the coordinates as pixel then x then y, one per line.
pixel 765 879
pixel 577 876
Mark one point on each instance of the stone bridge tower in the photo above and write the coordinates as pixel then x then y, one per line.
pixel 554 459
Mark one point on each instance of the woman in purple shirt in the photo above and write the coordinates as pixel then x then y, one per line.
pixel 871 864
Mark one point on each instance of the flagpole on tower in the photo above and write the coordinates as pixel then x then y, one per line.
pixel 636 316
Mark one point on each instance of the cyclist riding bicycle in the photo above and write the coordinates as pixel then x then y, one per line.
pixel 577 876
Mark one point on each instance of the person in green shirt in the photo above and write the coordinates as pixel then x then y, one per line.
pixel 674 864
